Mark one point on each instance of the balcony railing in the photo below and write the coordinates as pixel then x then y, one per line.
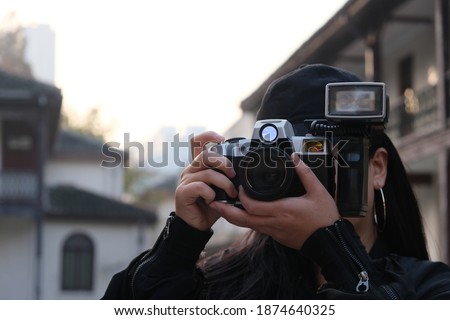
pixel 418 111
pixel 18 186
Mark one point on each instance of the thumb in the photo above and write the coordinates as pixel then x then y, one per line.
pixel 309 180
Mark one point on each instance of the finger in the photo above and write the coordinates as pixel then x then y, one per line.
pixel 309 180
pixel 239 217
pixel 199 141
pixel 197 189
pixel 212 178
pixel 262 208
pixel 208 159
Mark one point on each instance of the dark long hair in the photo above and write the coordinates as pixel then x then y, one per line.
pixel 259 267
pixel 403 233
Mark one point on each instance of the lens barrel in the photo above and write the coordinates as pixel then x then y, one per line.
pixel 267 173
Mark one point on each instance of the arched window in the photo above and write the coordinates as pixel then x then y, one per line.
pixel 77 263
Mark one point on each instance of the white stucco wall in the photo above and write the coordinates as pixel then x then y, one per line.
pixel 87 175
pixel 115 245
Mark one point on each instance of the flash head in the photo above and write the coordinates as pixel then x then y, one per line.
pixel 356 101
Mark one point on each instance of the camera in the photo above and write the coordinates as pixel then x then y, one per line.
pixel 263 163
pixel 335 148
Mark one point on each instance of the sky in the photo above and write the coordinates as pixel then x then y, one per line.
pixel 175 63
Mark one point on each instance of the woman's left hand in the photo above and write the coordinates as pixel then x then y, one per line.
pixel 290 221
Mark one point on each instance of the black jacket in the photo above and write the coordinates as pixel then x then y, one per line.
pixel 169 270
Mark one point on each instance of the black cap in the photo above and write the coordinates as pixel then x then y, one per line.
pixel 300 94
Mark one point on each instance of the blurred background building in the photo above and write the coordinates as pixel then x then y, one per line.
pixel 40 52
pixel 64 227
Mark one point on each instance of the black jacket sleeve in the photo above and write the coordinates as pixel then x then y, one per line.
pixel 351 273
pixel 168 270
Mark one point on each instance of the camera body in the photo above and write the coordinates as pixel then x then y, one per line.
pixel 263 163
pixel 335 148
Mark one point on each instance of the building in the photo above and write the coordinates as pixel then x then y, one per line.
pixel 404 43
pixel 64 230
pixel 40 52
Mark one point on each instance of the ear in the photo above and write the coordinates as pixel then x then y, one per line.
pixel 379 163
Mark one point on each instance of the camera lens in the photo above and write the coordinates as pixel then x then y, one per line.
pixel 266 178
pixel 266 173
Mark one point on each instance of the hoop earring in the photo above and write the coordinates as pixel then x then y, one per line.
pixel 381 225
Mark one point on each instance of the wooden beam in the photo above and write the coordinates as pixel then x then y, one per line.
pixel 411 19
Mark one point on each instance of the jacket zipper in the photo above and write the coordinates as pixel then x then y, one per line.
pixel 361 273
pixel 151 255
pixel 390 292
pixel 363 276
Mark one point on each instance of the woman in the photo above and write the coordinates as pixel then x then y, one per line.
pixel 298 247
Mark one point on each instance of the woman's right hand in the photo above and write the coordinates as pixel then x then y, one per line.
pixel 194 193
